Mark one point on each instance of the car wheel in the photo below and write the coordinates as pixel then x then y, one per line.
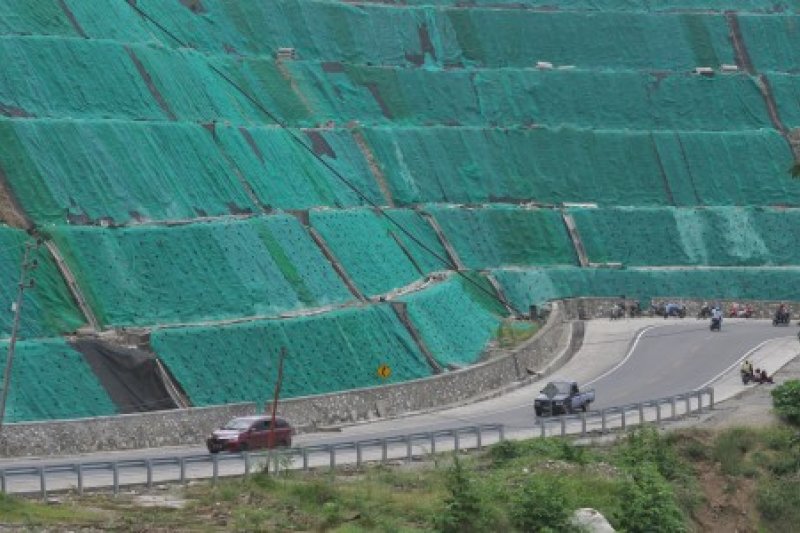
pixel 243 447
pixel 585 407
pixel 538 412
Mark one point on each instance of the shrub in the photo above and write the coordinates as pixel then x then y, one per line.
pixel 504 451
pixel 462 507
pixel 786 400
pixel 645 445
pixel 778 501
pixel 730 449
pixel 648 503
pixel 541 504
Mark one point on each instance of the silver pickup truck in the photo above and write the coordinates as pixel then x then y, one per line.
pixel 562 397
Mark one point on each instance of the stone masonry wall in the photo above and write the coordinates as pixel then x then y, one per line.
pixel 556 340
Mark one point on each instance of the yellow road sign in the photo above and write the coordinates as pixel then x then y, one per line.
pixel 384 371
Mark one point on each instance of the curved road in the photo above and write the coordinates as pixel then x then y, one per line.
pixel 663 359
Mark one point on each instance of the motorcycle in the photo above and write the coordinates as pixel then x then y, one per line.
pixel 705 312
pixel 747 377
pixel 716 324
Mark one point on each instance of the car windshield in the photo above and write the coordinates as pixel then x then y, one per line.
pixel 556 387
pixel 237 423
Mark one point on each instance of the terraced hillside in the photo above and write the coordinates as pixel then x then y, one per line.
pixel 232 177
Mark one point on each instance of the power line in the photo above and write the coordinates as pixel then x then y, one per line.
pixel 445 261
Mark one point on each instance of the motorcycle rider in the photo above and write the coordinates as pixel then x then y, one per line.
pixel 746 371
pixel 716 317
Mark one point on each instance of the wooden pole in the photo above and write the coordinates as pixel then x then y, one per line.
pixel 271 436
pixel 23 284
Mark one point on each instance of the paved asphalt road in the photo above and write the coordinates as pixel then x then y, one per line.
pixel 664 359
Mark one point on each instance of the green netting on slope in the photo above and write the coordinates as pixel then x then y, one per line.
pixel 364 246
pixel 50 380
pixel 630 40
pixel 52 77
pixel 325 353
pixel 725 236
pixel 207 271
pixel 424 248
pixel 727 168
pixel 469 165
pixel 620 99
pixel 119 170
pixel 610 99
pixel 325 30
pixel 455 320
pixel 284 175
pixel 786 91
pixel 756 6
pixel 772 41
pixel 536 286
pixel 41 18
pixel 48 308
pixel 506 235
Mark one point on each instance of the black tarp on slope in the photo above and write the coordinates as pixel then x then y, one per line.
pixel 130 376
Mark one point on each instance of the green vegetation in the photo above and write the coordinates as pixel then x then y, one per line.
pixel 786 399
pixel 647 481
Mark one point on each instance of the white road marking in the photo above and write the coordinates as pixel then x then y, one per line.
pixel 624 359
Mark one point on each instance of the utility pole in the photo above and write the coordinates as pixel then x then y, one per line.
pixel 24 283
pixel 271 436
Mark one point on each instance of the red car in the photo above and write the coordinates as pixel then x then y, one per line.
pixel 250 433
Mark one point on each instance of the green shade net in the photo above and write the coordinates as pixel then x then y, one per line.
pixel 525 287
pixel 625 5
pixel 325 353
pixel 367 246
pixel 720 236
pixel 623 40
pixel 209 271
pixel 501 235
pixel 90 170
pixel 283 174
pixel 469 165
pixel 455 319
pixel 772 42
pixel 50 380
pixel 48 308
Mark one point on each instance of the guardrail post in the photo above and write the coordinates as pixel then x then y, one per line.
pixel 672 402
pixel 115 476
pixel 42 483
pixel 478 437
pixel 246 456
pixel 603 422
pixel 332 453
pixel 622 411
pixel 542 428
pixel 305 459
pixel 408 448
pixel 214 468
pixel 3 481
pixel 711 398
pixel 79 472
pixel 358 455
pixel 641 413
pixel 433 442
pixel 688 399
pixel 658 411
pixel 563 421
pixel 183 470
pixel 583 424
pixel 149 466
pixel 384 451
pixel 502 433
pixel 456 440
pixel 700 401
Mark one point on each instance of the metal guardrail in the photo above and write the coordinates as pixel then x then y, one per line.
pixel 400 447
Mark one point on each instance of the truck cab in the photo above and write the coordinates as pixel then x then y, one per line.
pixel 562 397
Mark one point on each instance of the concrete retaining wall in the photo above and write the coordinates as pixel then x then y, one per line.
pixel 191 426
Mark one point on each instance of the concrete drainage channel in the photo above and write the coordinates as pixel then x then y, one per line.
pixel 115 475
